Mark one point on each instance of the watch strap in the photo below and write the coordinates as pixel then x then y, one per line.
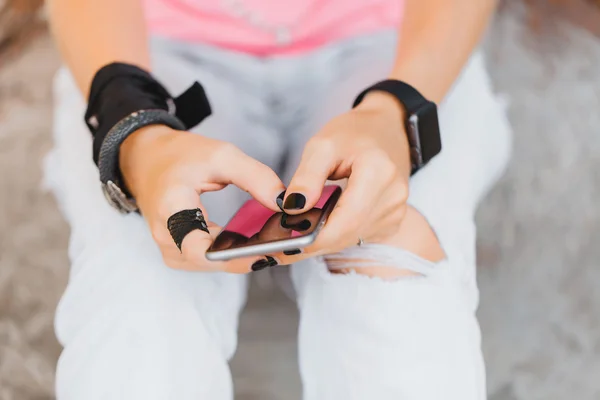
pixel 405 93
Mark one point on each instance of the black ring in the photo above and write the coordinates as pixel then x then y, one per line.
pixel 183 222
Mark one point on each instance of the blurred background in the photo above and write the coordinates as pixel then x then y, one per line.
pixel 539 230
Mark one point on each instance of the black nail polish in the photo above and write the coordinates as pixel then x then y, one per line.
pixel 295 201
pixel 304 225
pixel 292 252
pixel 279 200
pixel 301 226
pixel 262 264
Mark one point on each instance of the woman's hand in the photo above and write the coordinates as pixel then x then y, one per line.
pixel 167 170
pixel 367 145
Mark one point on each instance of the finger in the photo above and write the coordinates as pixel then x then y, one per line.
pixel 194 252
pixel 302 224
pixel 194 245
pixel 251 176
pixel 274 229
pixel 317 164
pixel 175 260
pixel 299 223
pixel 176 199
pixel 371 175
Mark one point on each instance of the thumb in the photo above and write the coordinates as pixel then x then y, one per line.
pixel 307 183
pixel 252 176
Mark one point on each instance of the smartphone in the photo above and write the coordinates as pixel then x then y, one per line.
pixel 255 230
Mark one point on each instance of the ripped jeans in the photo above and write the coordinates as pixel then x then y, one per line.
pixel 134 329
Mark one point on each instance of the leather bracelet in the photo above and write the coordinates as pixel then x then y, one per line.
pixel 108 160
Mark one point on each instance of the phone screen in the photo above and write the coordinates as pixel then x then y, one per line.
pixel 255 224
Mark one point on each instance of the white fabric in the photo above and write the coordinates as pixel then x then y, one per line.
pixel 134 329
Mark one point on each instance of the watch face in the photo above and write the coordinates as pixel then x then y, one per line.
pixel 428 129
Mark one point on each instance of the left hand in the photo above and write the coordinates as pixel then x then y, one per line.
pixel 367 145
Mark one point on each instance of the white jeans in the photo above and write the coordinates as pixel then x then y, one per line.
pixel 134 329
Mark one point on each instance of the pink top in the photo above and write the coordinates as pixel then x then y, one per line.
pixel 264 27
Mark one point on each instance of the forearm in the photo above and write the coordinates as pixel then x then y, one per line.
pixel 93 33
pixel 436 39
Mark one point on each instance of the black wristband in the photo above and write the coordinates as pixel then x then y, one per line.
pixel 118 90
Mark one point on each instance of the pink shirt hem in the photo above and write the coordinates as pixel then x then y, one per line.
pixel 322 22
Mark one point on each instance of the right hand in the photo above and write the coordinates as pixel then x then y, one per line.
pixel 167 170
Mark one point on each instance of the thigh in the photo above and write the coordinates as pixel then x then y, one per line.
pixel 413 338
pixel 129 324
pixel 133 329
pixel 130 327
pixel 418 334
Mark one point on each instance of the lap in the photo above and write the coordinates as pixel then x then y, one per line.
pixel 119 281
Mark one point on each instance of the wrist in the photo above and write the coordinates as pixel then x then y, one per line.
pixel 136 150
pixel 142 138
pixel 418 117
pixel 385 103
pixel 386 107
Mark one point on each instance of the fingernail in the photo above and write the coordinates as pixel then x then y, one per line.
pixel 292 252
pixel 301 226
pixel 279 200
pixel 295 201
pixel 264 263
pixel 260 264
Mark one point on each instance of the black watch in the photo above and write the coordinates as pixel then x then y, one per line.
pixel 422 125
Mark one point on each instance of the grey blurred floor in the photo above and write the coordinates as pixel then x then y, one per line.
pixel 539 235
